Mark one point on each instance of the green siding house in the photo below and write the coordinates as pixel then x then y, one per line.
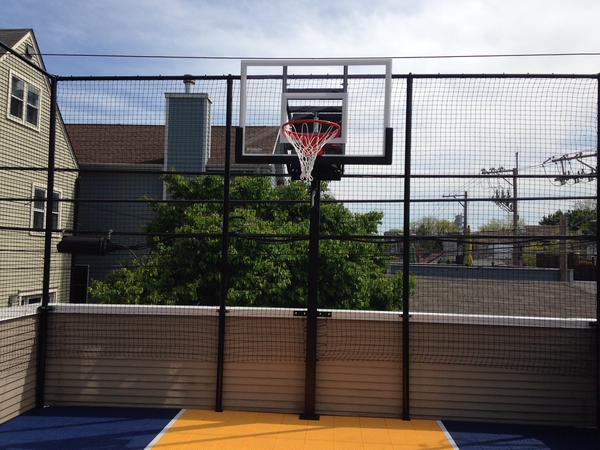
pixel 24 129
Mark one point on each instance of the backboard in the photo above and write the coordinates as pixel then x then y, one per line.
pixel 354 93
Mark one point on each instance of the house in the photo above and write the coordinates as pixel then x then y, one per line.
pixel 24 131
pixel 121 166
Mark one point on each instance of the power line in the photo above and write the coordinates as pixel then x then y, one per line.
pixel 451 56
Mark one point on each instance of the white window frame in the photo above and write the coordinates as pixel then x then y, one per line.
pixel 59 212
pixel 27 84
pixel 22 297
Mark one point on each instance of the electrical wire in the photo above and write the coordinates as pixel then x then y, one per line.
pixel 452 56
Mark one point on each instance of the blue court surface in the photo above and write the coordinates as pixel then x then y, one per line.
pixel 489 436
pixel 138 428
pixel 84 428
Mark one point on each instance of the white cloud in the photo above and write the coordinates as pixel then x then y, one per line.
pixel 306 28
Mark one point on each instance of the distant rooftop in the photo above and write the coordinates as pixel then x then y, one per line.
pixel 144 144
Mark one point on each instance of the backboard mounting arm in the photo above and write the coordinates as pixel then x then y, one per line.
pixel 385 159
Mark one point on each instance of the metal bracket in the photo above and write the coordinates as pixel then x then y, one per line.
pixel 303 313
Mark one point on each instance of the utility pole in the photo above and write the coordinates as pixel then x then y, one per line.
pixel 507 200
pixel 464 204
pixel 465 212
pixel 516 255
pixel 562 246
pixel 573 167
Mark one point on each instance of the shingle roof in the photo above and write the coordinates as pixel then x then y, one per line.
pixel 117 144
pixel 144 144
pixel 10 36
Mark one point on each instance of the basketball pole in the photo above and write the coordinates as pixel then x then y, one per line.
pixel 225 269
pixel 310 379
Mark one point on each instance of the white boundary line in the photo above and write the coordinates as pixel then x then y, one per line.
pixel 164 430
pixel 447 434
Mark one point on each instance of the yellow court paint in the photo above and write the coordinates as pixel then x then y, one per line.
pixel 199 429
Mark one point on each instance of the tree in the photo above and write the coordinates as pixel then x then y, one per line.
pixel 431 226
pixel 500 225
pixel 580 220
pixel 186 270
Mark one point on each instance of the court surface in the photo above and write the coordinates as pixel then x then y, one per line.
pixel 138 428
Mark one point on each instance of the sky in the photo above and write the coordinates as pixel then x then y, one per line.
pixel 352 28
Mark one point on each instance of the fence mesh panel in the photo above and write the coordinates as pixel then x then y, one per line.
pixel 502 243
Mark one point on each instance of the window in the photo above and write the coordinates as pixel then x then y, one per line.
pixel 29 51
pixel 38 210
pixel 24 104
pixel 31 298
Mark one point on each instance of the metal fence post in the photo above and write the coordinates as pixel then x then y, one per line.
pixel 597 253
pixel 43 310
pixel 406 256
pixel 225 270
pixel 310 379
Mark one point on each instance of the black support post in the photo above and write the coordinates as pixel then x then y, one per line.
pixel 42 334
pixel 310 380
pixel 225 271
pixel 597 253
pixel 406 257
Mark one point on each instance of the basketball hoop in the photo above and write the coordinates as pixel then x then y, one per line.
pixel 308 137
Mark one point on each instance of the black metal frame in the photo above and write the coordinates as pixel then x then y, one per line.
pixel 42 339
pixel 597 254
pixel 312 313
pixel 225 272
pixel 406 257
pixel 312 304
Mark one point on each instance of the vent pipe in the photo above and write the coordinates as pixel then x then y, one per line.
pixel 188 82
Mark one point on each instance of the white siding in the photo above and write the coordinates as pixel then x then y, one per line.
pixel 21 258
pixel 17 366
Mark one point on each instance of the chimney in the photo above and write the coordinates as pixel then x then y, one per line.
pixel 187 130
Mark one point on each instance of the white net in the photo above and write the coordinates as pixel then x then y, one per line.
pixel 308 138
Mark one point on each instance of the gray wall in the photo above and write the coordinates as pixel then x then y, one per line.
pixel 122 217
pixel 165 356
pixel 187 132
pixel 490 273
pixel 188 136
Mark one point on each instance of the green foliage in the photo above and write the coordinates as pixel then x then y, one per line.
pixel 580 220
pixel 533 248
pixel 186 270
pixel 500 225
pixel 430 226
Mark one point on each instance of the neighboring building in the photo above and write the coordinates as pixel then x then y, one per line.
pixel 24 129
pixel 123 162
pixel 489 250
